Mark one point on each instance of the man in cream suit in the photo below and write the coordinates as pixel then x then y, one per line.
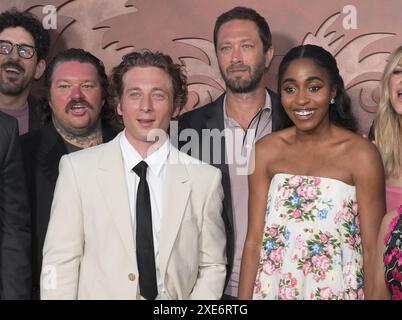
pixel 97 244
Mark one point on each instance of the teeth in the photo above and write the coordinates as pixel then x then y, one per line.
pixel 77 106
pixel 304 113
pixel 12 70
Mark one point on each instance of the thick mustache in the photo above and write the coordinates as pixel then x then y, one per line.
pixel 81 102
pixel 12 64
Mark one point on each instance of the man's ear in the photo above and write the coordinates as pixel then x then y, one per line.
pixel 119 109
pixel 268 56
pixel 40 69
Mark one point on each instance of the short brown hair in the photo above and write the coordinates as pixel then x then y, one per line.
pixel 150 59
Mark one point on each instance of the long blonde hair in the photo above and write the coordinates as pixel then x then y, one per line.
pixel 387 128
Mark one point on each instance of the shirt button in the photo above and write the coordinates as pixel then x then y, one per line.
pixel 131 276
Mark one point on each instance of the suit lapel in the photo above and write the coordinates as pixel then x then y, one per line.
pixel 215 120
pixel 112 182
pixel 51 149
pixel 176 195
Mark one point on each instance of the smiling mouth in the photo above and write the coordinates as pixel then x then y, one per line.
pixel 12 70
pixel 304 113
pixel 78 110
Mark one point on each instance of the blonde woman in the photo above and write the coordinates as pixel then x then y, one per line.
pixel 388 128
pixel 388 135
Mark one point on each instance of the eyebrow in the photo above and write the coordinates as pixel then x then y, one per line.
pixel 20 44
pixel 309 79
pixel 68 80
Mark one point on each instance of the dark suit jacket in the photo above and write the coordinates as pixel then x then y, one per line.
pixel 211 117
pixel 15 235
pixel 42 150
pixel 35 120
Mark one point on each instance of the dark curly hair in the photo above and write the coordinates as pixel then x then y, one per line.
pixel 14 18
pixel 243 13
pixel 82 56
pixel 340 113
pixel 149 59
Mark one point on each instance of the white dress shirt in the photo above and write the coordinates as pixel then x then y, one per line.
pixel 155 178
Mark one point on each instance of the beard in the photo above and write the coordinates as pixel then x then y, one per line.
pixel 11 83
pixel 239 85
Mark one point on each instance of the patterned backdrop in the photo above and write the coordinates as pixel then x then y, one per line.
pixel 359 33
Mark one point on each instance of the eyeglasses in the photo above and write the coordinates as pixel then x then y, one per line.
pixel 24 51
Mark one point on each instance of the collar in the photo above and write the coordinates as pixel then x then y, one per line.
pixel 155 161
pixel 267 106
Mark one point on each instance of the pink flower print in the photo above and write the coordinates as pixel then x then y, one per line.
pixel 295 181
pixel 293 282
pixel 299 242
pixel 277 255
pixel 350 280
pixel 326 294
pixel 323 238
pixel 285 193
pixel 258 296
pixel 351 241
pixel 358 240
pixel 307 267
pixel 387 259
pixel 308 206
pixel 317 181
pixel 348 216
pixel 329 249
pixel 360 294
pixel 355 207
pixel 268 268
pixel 263 255
pixel 287 293
pixel 322 263
pixel 281 238
pixel 319 277
pixel 397 275
pixel 352 295
pixel 277 203
pixel 272 232
pixel 338 217
pixel 304 252
pixel 396 293
pixel 297 214
pixel 307 192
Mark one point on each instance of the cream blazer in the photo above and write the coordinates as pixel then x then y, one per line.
pixel 89 251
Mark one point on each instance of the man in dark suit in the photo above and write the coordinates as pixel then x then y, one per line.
pixel 15 236
pixel 79 116
pixel 245 113
pixel 24 45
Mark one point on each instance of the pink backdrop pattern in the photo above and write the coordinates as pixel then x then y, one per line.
pixel 359 33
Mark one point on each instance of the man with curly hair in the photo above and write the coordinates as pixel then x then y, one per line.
pixel 24 45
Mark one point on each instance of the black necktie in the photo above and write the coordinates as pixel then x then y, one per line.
pixel 144 236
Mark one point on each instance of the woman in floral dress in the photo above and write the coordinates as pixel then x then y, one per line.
pixel 316 193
